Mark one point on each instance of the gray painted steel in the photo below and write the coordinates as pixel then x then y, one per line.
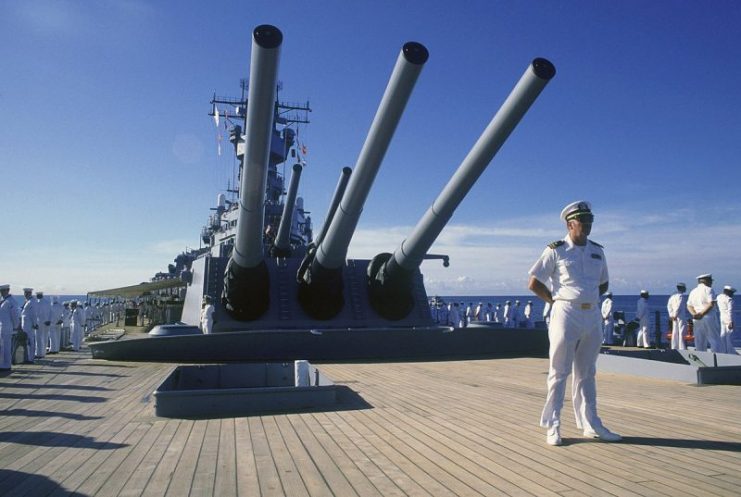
pixel 233 390
pixel 371 344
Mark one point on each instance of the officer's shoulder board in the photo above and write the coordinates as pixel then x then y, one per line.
pixel 555 244
pixel 595 243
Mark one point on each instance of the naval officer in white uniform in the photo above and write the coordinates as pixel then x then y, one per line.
pixel 701 304
pixel 725 309
pixel 577 270
pixel 677 309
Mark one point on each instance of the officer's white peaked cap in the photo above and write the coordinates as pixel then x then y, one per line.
pixel 578 207
pixel 727 287
pixel 707 276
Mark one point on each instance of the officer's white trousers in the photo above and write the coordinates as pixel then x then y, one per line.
pixel 206 326
pixel 643 340
pixel 6 349
pixel 725 339
pixel 608 330
pixel 707 330
pixel 76 336
pixel 42 340
pixel 679 329
pixel 55 335
pixel 576 336
pixel 30 342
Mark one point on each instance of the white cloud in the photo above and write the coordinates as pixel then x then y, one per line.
pixel 644 251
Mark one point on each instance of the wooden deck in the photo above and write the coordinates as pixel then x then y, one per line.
pixel 72 425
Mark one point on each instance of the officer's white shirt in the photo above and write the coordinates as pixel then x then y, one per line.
pixel 9 319
pixel 56 312
pixel 725 308
pixel 43 311
pixel 576 272
pixel 28 314
pixel 677 307
pixel 607 309
pixel 700 297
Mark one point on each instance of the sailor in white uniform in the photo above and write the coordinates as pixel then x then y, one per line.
pixel 43 316
pixel 454 317
pixel 701 304
pixel 608 321
pixel 725 308
pixel 207 315
pixel 642 317
pixel 497 313
pixel 677 309
pixel 516 315
pixel 66 317
pixel 76 323
pixel 29 324
pixel 577 271
pixel 442 313
pixel 55 330
pixel 9 323
pixel 528 313
pixel 507 314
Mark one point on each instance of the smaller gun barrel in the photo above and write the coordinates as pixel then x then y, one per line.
pixel 282 241
pixel 336 197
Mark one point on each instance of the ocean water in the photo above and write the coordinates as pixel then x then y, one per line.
pixel 625 303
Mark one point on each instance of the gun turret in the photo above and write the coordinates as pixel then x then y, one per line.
pixel 282 246
pixel 390 276
pixel 246 283
pixel 320 288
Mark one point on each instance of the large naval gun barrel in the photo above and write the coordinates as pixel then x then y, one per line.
pixel 320 286
pixel 390 275
pixel 246 283
pixel 282 245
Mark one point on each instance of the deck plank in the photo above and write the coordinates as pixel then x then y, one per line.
pixel 73 424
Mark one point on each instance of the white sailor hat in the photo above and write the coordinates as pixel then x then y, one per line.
pixel 517 301
pixel 727 287
pixel 28 290
pixel 706 276
pixel 607 294
pixel 4 287
pixel 574 209
pixel 644 292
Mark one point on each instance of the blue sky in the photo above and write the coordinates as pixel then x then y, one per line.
pixel 109 161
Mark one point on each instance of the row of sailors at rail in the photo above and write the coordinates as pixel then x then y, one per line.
pixel 47 324
pixel 712 317
pixel 460 315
